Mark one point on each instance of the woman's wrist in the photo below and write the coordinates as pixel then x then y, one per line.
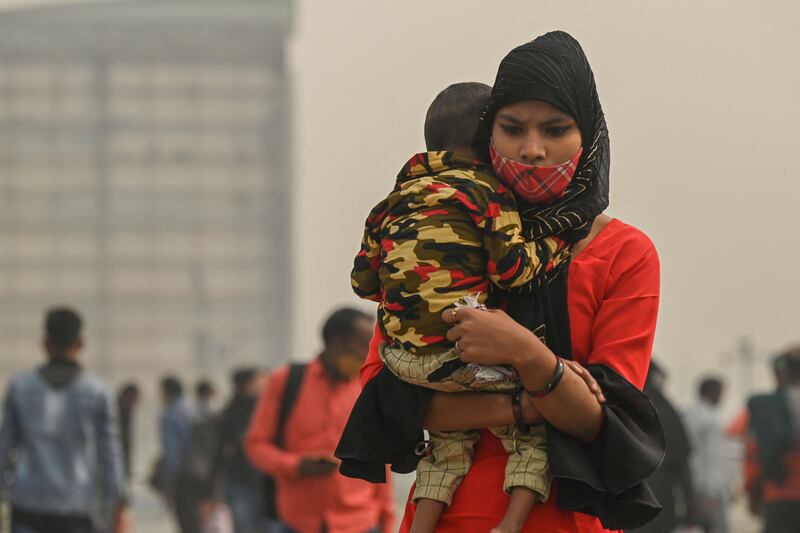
pixel 552 384
pixel 536 365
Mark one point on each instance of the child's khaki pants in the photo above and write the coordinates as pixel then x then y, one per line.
pixel 439 473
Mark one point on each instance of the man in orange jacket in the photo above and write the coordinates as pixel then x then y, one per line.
pixel 311 495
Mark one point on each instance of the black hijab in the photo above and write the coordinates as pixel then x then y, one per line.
pixel 554 69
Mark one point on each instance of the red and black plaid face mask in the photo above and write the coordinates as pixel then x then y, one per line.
pixel 533 183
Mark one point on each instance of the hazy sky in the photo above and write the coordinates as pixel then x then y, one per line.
pixel 701 103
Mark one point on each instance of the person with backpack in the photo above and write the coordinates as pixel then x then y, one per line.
pixel 295 429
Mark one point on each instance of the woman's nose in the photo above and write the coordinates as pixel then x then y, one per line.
pixel 533 150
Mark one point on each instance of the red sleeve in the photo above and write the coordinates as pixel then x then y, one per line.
pixel 258 444
pixel 373 364
pixel 625 324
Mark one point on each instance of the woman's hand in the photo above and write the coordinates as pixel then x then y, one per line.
pixel 587 377
pixel 490 337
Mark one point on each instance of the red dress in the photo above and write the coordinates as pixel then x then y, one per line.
pixel 613 293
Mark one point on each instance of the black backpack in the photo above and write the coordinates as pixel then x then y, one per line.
pixel 288 398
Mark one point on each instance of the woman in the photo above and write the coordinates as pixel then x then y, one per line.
pixel 599 311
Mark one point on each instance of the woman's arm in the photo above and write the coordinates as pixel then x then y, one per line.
pixel 469 410
pixel 488 337
pixel 571 406
pixel 458 411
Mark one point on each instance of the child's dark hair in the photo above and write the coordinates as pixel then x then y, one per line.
pixel 454 116
pixel 63 327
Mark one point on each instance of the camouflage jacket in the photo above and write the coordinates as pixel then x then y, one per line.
pixel 447 230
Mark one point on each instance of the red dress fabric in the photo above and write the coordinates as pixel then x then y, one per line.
pixel 613 293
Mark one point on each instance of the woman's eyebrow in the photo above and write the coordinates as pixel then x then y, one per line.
pixel 556 119
pixel 510 118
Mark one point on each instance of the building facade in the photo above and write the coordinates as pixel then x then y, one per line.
pixel 145 178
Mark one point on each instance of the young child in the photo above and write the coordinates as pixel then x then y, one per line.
pixel 448 231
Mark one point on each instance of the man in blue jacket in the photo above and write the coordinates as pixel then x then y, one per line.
pixel 59 441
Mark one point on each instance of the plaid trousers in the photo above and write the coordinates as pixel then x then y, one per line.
pixel 440 472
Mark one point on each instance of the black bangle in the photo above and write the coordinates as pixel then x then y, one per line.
pixel 516 407
pixel 553 382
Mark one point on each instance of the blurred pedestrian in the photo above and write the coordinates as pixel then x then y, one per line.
pixel 710 459
pixel 175 425
pixel 60 422
pixel 127 400
pixel 196 468
pixel 234 479
pixel 772 461
pixel 312 496
pixel 205 394
pixel 203 442
pixel 671 483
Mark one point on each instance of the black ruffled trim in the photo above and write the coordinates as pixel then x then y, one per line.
pixel 384 427
pixel 606 478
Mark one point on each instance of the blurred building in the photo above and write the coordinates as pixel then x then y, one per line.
pixel 145 178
